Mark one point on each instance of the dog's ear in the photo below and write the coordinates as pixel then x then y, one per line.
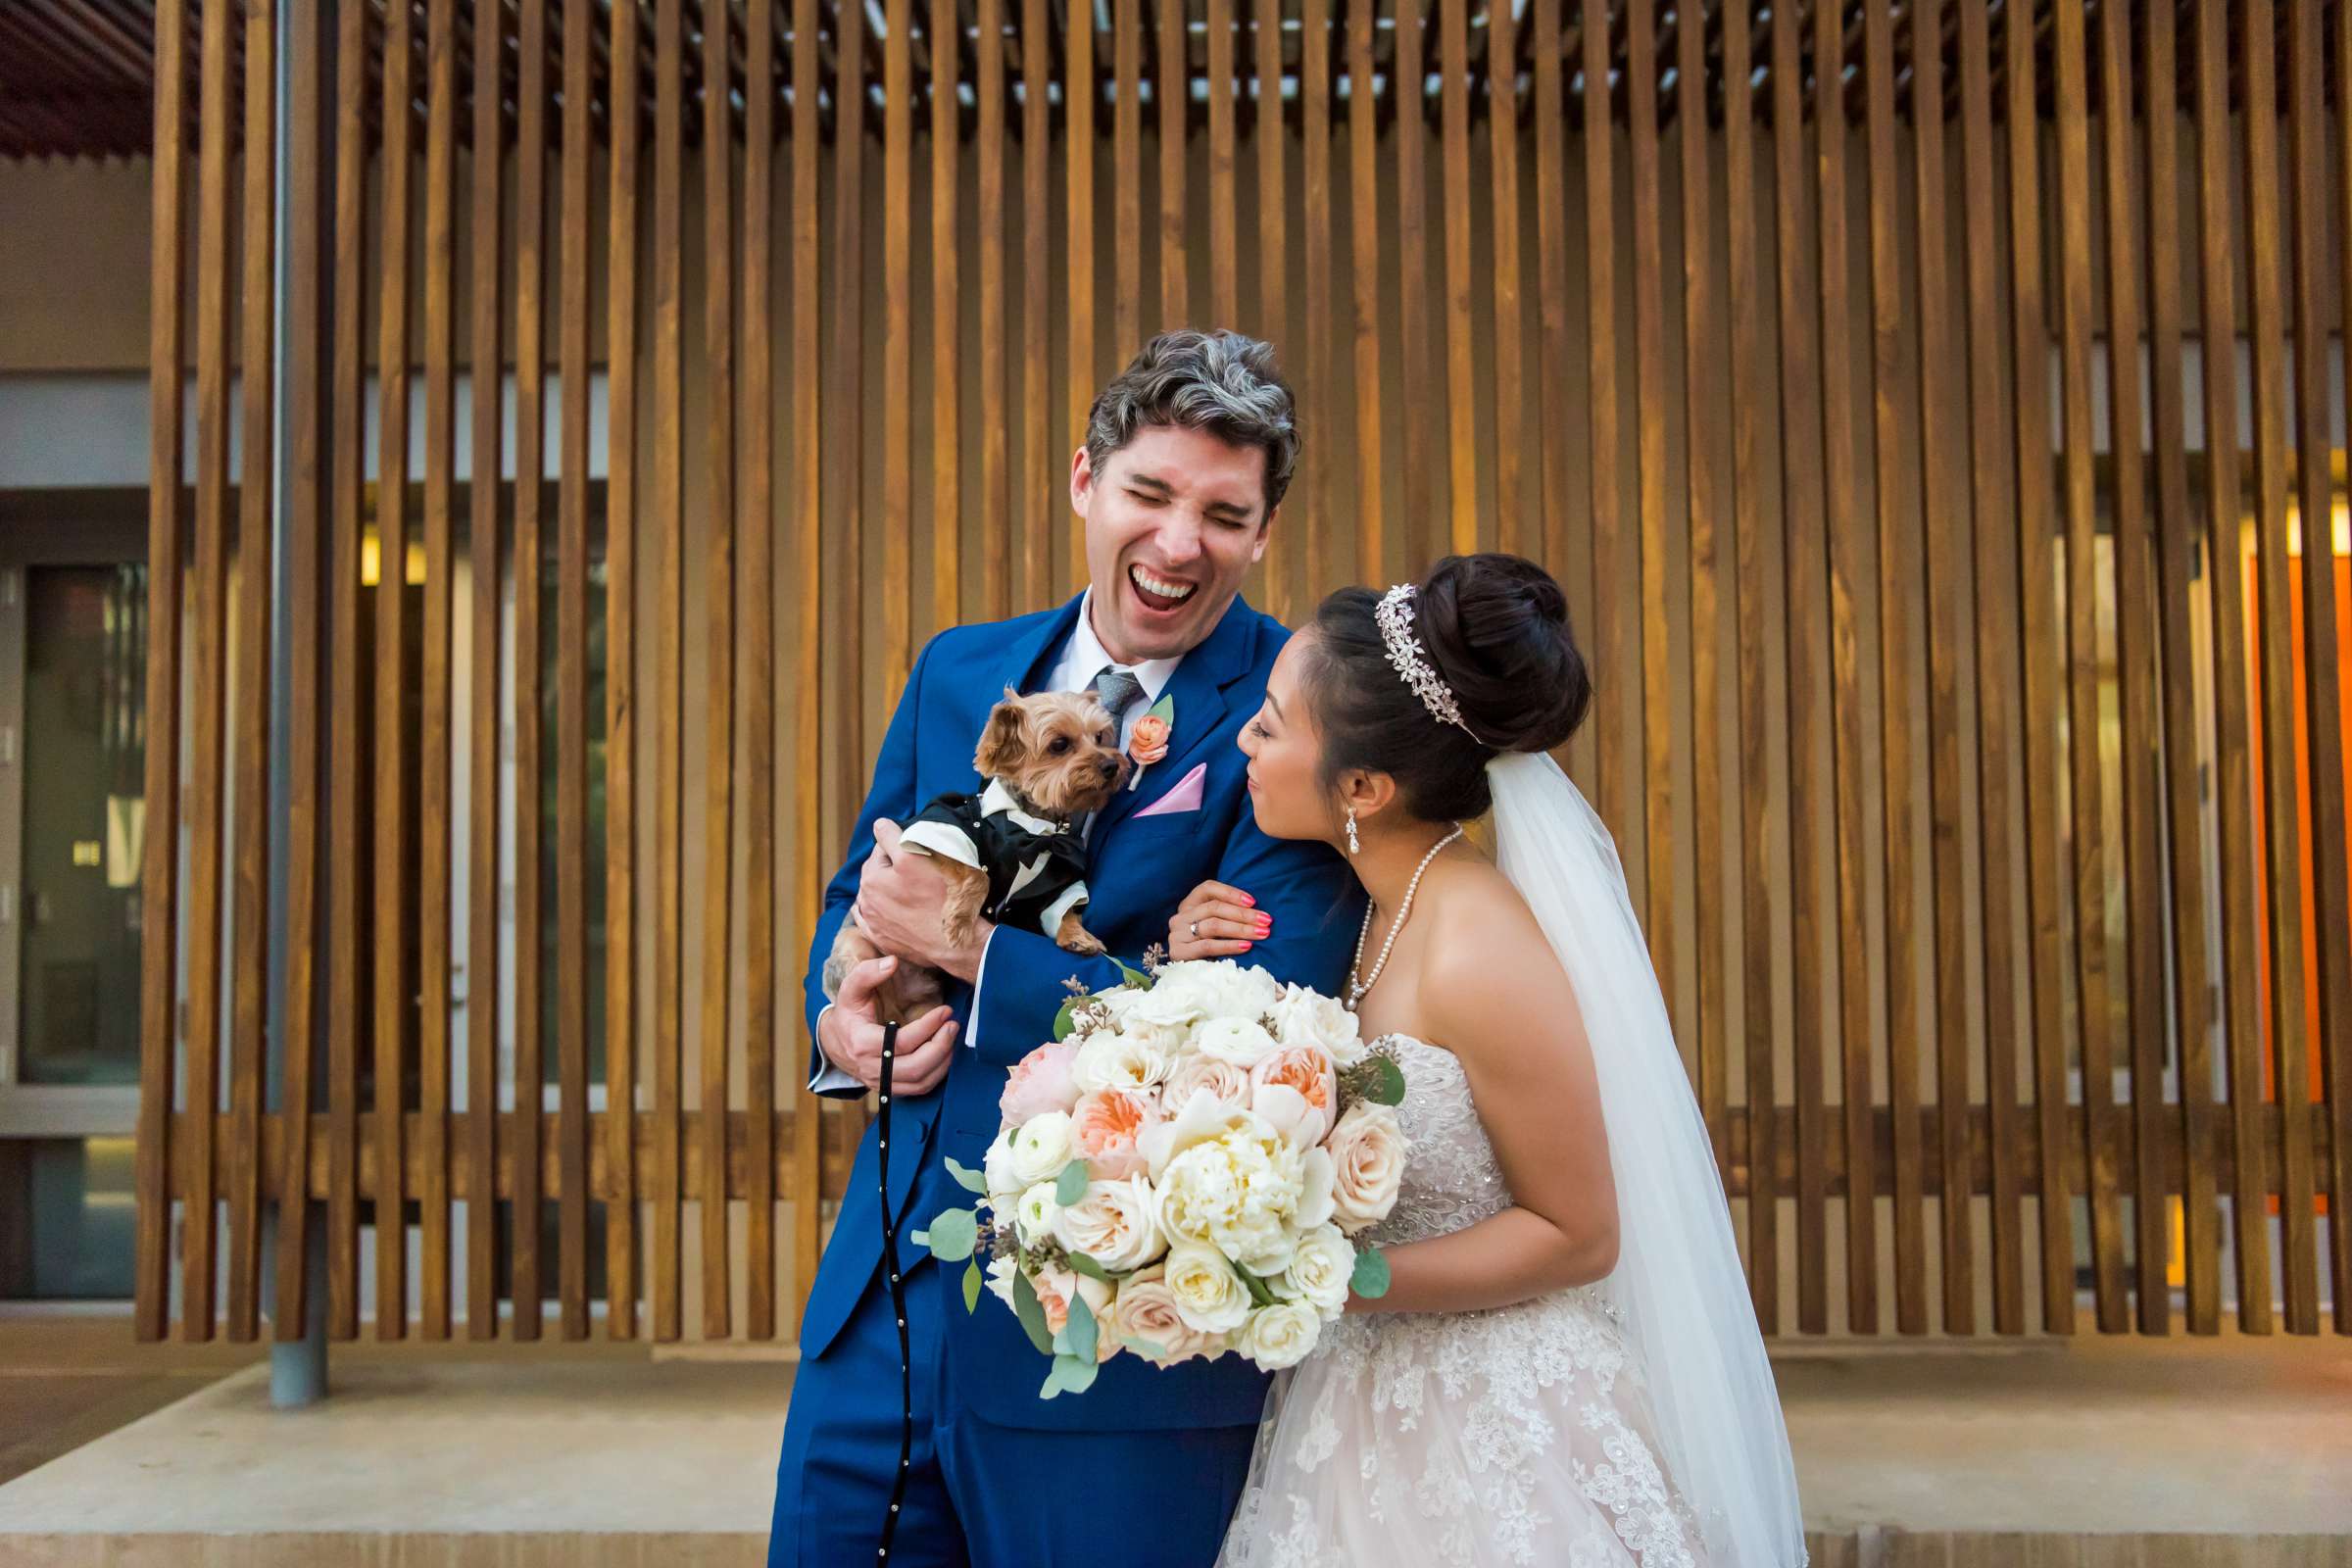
pixel 1001 746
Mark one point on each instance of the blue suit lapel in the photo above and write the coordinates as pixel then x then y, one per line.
pixel 1030 656
pixel 1197 692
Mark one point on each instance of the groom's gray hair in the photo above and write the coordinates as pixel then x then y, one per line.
pixel 1221 382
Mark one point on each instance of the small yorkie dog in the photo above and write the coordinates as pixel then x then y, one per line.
pixel 1012 852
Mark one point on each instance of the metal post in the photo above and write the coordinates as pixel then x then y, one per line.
pixel 297 1367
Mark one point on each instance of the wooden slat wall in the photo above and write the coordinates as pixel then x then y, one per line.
pixel 1905 672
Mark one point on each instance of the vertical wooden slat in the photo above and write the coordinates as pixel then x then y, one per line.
pixel 760 625
pixel 1749 481
pixel 200 1086
pixel 1224 257
pixel 1318 394
pixel 306 68
pixel 2184 763
pixel 2136 652
pixel 848 448
pixel 433 804
pixel 1950 605
pixel 718 613
pixel 1609 565
pixel 1848 566
pixel 1171 86
pixel 1651 808
pixel 346 1014
pixel 2080 632
pixel 2327 772
pixel 621 691
pixel 1418 531
pixel 393 872
pixel 1363 169
pixel 257 568
pixel 807 409
pixel 898 344
pixel 1044 503
pixel 997 517
pixel 483 976
pixel 1552 279
pixel 2043 698
pixel 1273 321
pixel 1990 502
pixel 160 905
pixel 571 696
pixel 947 380
pixel 2281 823
pixel 666 505
pixel 1802 503
pixel 1511 531
pixel 1899 563
pixel 531 488
pixel 2233 783
pixel 1078 158
pixel 1127 153
pixel 1461 396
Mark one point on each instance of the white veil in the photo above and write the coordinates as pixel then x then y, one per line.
pixel 1678 1281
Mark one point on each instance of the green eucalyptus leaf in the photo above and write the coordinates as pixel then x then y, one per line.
pixel 1388 1087
pixel 971 1181
pixel 1063 1024
pixel 952 1236
pixel 1084 1332
pixel 1032 1314
pixel 1260 1292
pixel 1083 1264
pixel 971 1286
pixel 1070 1186
pixel 1370 1279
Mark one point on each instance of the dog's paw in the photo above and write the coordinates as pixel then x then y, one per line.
pixel 1075 938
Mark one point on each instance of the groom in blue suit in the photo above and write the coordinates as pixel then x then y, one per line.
pixel 1187 455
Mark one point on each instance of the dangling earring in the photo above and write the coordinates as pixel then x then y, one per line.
pixel 1352 844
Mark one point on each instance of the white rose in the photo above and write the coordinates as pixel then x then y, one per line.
pixel 1114 1225
pixel 1209 1297
pixel 997 1167
pixel 1304 1017
pixel 1244 1041
pixel 1317 1176
pixel 1041 1147
pixel 1000 1279
pixel 1320 1271
pixel 1034 1214
pixel 1124 1060
pixel 1148 1322
pixel 1367 1153
pixel 1280 1335
pixel 1264 1247
pixel 1185 993
pixel 1225 1082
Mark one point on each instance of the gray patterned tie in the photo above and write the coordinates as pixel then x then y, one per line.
pixel 1117 689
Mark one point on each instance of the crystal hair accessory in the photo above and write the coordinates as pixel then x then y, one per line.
pixel 1394 617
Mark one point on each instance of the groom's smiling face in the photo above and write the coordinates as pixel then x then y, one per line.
pixel 1174 520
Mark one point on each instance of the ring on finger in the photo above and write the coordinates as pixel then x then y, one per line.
pixel 1196 930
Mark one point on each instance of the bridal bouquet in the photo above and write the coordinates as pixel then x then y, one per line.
pixel 1180 1172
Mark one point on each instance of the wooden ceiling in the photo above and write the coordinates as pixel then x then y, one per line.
pixel 76 77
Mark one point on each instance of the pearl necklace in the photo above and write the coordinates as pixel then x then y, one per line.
pixel 1358 988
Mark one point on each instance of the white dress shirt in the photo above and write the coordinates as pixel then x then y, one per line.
pixel 1083 658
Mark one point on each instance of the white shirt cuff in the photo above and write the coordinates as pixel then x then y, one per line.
pixel 831 1080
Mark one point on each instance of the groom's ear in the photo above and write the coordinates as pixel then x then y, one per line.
pixel 1000 744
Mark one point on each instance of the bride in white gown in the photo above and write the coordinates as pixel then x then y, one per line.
pixel 1565 1369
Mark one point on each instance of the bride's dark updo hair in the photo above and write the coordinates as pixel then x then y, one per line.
pixel 1496 629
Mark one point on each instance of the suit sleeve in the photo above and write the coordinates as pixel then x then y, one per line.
pixel 892 795
pixel 1306 887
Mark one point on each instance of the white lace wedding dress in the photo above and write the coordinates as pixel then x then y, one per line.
pixel 1521 1435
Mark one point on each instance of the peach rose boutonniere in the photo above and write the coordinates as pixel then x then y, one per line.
pixel 1149 742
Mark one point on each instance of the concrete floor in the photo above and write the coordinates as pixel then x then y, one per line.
pixel 2125 1449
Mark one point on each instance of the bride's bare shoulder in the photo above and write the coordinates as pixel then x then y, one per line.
pixel 1486 952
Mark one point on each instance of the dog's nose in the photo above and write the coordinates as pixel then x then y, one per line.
pixel 1110 766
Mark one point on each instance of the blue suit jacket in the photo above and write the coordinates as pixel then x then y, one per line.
pixel 1136 873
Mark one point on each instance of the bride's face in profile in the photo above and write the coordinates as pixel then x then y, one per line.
pixel 1284 749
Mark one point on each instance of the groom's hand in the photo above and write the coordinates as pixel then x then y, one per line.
pixel 902 901
pixel 850 1036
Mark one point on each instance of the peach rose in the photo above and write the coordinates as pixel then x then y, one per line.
pixel 1227 1083
pixel 1147 1322
pixel 1367 1151
pixel 1296 1089
pixel 1040 1082
pixel 1055 1288
pixel 1104 1126
pixel 1149 742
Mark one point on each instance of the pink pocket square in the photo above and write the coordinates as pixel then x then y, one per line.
pixel 1185 797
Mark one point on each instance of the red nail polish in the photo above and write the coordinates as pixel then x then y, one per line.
pixel 1247 900
pixel 1244 946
